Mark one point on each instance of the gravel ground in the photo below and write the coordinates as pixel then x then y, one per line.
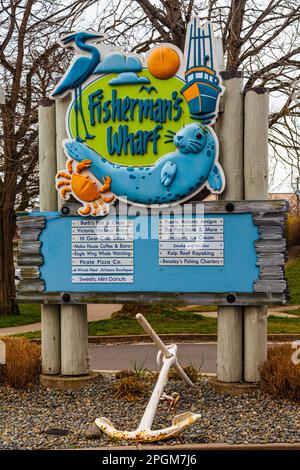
pixel 256 418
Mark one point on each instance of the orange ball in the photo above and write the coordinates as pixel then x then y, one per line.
pixel 163 62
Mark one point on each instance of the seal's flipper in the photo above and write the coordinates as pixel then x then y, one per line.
pixel 167 173
pixel 215 178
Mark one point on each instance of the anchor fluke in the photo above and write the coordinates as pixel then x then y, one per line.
pixel 166 358
pixel 179 423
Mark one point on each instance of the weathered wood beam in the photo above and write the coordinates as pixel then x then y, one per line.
pixel 30 260
pixel 261 209
pixel 240 299
pixel 29 247
pixel 31 285
pixel 29 272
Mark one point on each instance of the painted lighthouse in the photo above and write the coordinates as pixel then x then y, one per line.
pixel 203 83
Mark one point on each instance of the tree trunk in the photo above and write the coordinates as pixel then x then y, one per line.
pixel 234 42
pixel 8 304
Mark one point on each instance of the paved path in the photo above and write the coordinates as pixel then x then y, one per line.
pixel 280 311
pixel 125 356
pixel 129 356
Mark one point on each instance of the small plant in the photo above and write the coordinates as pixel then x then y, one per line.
pixel 130 310
pixel 139 368
pixel 191 370
pixel 293 230
pixel 23 362
pixel 129 389
pixel 279 375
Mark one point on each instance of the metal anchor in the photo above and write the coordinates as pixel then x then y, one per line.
pixel 166 358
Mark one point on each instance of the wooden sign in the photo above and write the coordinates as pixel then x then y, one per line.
pixel 139 129
pixel 232 253
pixel 140 133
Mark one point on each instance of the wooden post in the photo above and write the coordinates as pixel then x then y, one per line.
pixel 74 326
pixel 61 107
pixel 229 129
pixel 256 112
pixel 48 202
pixel 74 340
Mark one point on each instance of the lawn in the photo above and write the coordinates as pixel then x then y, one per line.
pixel 167 322
pixel 296 311
pixel 283 325
pixel 181 322
pixel 29 313
pixel 292 271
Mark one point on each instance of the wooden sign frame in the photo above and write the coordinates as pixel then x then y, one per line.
pixel 270 287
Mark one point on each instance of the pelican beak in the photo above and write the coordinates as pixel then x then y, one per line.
pixel 94 36
pixel 69 38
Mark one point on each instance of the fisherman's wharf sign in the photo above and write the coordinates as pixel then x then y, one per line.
pixel 140 145
pixel 140 128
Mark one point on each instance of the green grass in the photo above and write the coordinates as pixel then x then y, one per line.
pixel 284 325
pixel 181 322
pixel 29 313
pixel 167 322
pixel 292 271
pixel 30 335
pixel 178 322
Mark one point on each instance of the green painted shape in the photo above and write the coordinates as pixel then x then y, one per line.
pixel 164 91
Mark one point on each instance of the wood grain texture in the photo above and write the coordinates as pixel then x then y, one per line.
pixel 154 297
pixel 47 157
pixel 29 272
pixel 261 209
pixel 256 125
pixel 29 247
pixel 73 326
pixel 30 260
pixel 50 318
pixel 31 285
pixel 29 234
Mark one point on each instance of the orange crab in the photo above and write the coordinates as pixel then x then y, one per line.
pixel 85 188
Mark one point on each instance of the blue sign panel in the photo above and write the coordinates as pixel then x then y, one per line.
pixel 149 254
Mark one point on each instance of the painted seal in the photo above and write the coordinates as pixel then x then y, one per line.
pixel 174 177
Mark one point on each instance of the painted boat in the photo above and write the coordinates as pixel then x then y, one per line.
pixel 202 88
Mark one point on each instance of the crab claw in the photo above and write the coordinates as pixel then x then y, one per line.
pixel 83 165
pixel 106 184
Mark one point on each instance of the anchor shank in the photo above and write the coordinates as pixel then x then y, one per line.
pixel 162 347
pixel 149 414
pixel 156 339
pixel 183 375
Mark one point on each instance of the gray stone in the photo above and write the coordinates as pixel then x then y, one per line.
pixel 93 432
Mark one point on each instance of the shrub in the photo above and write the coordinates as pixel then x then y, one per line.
pixel 23 362
pixel 130 310
pixel 279 375
pixel 293 230
pixel 129 389
pixel 192 371
pixel 139 369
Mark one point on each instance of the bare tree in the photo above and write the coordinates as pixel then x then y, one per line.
pixel 260 38
pixel 30 60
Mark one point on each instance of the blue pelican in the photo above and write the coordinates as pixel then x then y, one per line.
pixel 79 70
